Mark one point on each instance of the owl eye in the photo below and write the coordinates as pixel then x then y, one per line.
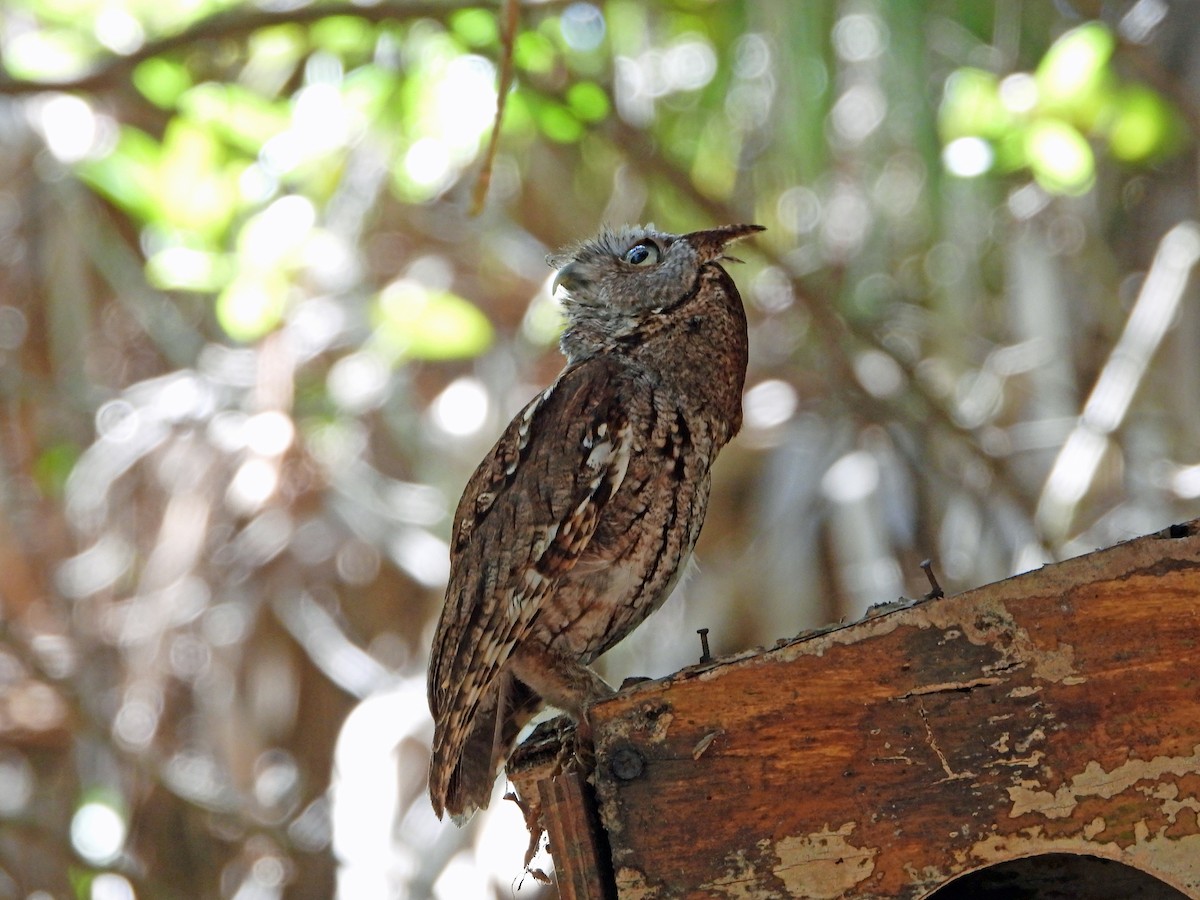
pixel 643 254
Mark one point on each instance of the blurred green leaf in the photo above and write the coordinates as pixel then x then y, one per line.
pixel 51 468
pixel 534 52
pixel 344 35
pixel 81 881
pixel 368 89
pixel 194 190
pixel 274 54
pixel 1042 124
pixel 971 106
pixel 1073 79
pixel 162 81
pixel 241 117
pixel 588 101
pixel 559 124
pixel 1060 157
pixel 414 322
pixel 714 168
pixel 1144 126
pixel 477 28
pixel 518 114
pixel 1076 62
pixel 128 174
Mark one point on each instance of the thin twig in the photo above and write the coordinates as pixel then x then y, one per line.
pixel 508 38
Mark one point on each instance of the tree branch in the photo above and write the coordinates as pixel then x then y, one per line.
pixel 235 23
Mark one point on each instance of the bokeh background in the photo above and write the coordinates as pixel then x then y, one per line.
pixel 253 339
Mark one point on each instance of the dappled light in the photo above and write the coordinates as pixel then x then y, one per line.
pixel 253 342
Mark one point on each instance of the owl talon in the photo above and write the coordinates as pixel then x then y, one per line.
pixel 585 752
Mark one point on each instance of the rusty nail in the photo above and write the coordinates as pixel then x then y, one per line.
pixel 705 656
pixel 626 764
pixel 935 588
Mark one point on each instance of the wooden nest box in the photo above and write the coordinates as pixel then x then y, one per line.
pixel 1038 737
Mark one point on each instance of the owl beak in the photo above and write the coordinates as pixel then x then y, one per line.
pixel 710 244
pixel 569 277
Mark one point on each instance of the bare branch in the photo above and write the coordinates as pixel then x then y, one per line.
pixel 235 23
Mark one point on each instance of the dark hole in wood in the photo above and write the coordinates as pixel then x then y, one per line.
pixel 1057 876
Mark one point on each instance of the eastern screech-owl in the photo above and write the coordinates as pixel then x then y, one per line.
pixel 578 523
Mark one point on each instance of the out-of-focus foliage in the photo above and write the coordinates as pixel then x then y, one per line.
pixel 1042 121
pixel 252 343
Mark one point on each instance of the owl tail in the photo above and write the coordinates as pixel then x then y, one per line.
pixel 461 774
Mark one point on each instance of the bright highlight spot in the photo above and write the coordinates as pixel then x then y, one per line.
pixel 879 373
pixel 250 307
pixel 690 65
pixel 852 478
pixel 253 485
pixel 462 408
pixel 769 403
pixel 427 163
pixel 269 433
pixel 119 31
pixel 97 833
pixel 68 125
pixel 967 157
pixel 358 382
pixel 425 557
pixel 182 268
pixel 1018 92
pixel 279 230
pixel 1186 482
pixel 110 886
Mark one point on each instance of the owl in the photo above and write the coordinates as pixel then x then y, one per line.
pixel 579 521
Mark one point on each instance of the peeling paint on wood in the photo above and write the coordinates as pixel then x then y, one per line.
pixel 1096 781
pixel 823 865
pixel 1054 712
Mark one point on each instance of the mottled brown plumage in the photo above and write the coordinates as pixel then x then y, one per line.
pixel 578 523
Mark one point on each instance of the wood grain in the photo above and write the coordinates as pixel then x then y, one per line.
pixel 1054 712
pixel 577 842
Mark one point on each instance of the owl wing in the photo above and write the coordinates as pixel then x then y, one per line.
pixel 525 518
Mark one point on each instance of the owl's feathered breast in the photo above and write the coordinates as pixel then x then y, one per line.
pixel 527 514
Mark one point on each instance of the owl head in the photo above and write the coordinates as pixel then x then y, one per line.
pixel 631 271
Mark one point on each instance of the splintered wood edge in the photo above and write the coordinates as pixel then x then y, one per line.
pixel 540 755
pixel 582 861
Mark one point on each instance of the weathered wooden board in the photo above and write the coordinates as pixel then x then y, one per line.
pixel 577 841
pixel 1058 711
